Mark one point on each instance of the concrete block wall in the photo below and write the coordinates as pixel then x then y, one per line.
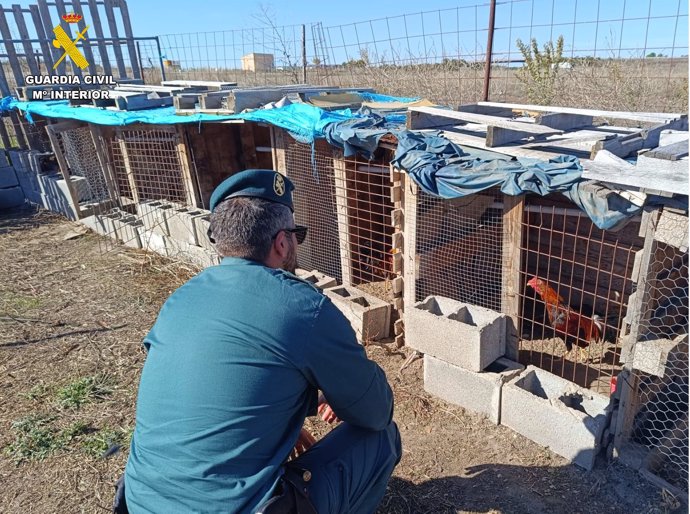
pixel 28 165
pixel 556 413
pixel 149 229
pixel 11 194
pixel 320 280
pixel 461 334
pixel 477 392
pixel 369 316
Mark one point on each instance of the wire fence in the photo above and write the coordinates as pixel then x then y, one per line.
pixel 618 54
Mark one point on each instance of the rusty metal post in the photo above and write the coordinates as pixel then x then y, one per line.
pixel 304 54
pixel 489 51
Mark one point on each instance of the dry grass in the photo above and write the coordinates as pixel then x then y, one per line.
pixel 71 324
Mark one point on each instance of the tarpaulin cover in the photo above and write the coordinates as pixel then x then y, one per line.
pixel 440 167
pixel 446 170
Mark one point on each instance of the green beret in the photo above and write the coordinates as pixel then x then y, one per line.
pixel 267 184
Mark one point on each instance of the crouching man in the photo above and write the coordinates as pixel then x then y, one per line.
pixel 236 360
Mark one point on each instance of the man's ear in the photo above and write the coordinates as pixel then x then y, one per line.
pixel 281 245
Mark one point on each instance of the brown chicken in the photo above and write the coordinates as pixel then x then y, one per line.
pixel 566 321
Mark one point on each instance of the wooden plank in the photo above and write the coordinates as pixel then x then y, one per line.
pixel 64 168
pixel 44 11
pixel 117 46
pixel 343 217
pixel 131 179
pixel 62 10
pixel 486 109
pixel 248 146
pixel 645 138
pixel 278 144
pixel 513 208
pixel 212 85
pixel 428 117
pixel 24 36
pixel 642 176
pixel 10 50
pixel 460 138
pixel 102 48
pixel 18 132
pixel 650 117
pixel 635 312
pixel 43 36
pixel 85 44
pixel 410 253
pixel 671 152
pixel 188 170
pixel 4 85
pixel 108 174
pixel 4 136
pixel 564 121
pixel 252 98
pixel 131 48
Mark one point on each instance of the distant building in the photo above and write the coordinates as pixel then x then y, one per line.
pixel 257 62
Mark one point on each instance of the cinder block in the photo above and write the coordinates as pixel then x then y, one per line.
pixel 154 215
pixel 193 254
pixel 46 184
pixel 94 222
pixel 555 413
pixel 16 160
pixel 369 316
pixel 153 241
pixel 59 205
pixel 127 230
pixel 477 392
pixel 317 278
pixel 201 224
pixel 8 178
pixel 11 197
pixel 461 334
pixel 181 224
pixel 654 357
pixel 82 190
pixel 3 159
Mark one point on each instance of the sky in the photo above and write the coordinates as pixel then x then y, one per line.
pixel 217 33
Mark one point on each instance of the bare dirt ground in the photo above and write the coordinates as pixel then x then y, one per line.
pixel 71 322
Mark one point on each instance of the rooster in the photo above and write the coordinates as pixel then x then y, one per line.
pixel 566 321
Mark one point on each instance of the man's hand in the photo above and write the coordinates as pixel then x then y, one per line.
pixel 325 411
pixel 304 442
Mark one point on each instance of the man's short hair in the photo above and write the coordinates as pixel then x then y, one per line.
pixel 245 226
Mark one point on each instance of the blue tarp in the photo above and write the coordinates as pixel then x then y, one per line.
pixel 440 167
pixel 446 170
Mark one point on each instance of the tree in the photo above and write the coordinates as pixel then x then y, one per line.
pixel 541 68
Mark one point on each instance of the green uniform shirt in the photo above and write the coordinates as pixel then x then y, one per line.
pixel 233 367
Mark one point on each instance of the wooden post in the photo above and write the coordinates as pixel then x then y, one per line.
pixel 48 28
pixel 102 49
pixel 24 36
pixel 410 239
pixel 108 174
pixel 52 131
pixel 398 180
pixel 86 44
pixel 513 208
pixel 128 168
pixel 117 45
pixel 41 33
pixel 188 168
pixel 278 146
pixel 10 50
pixel 636 309
pixel 343 215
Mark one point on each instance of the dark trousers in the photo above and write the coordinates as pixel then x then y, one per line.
pixel 350 468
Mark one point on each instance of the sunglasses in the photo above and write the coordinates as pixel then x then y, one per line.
pixel 300 232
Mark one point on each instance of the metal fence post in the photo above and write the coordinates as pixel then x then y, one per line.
pixel 489 51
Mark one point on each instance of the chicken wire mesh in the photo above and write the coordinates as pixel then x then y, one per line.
pixel 459 248
pixel 149 175
pixel 346 203
pixel 81 155
pixel 575 283
pixel 660 357
pixel 315 206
